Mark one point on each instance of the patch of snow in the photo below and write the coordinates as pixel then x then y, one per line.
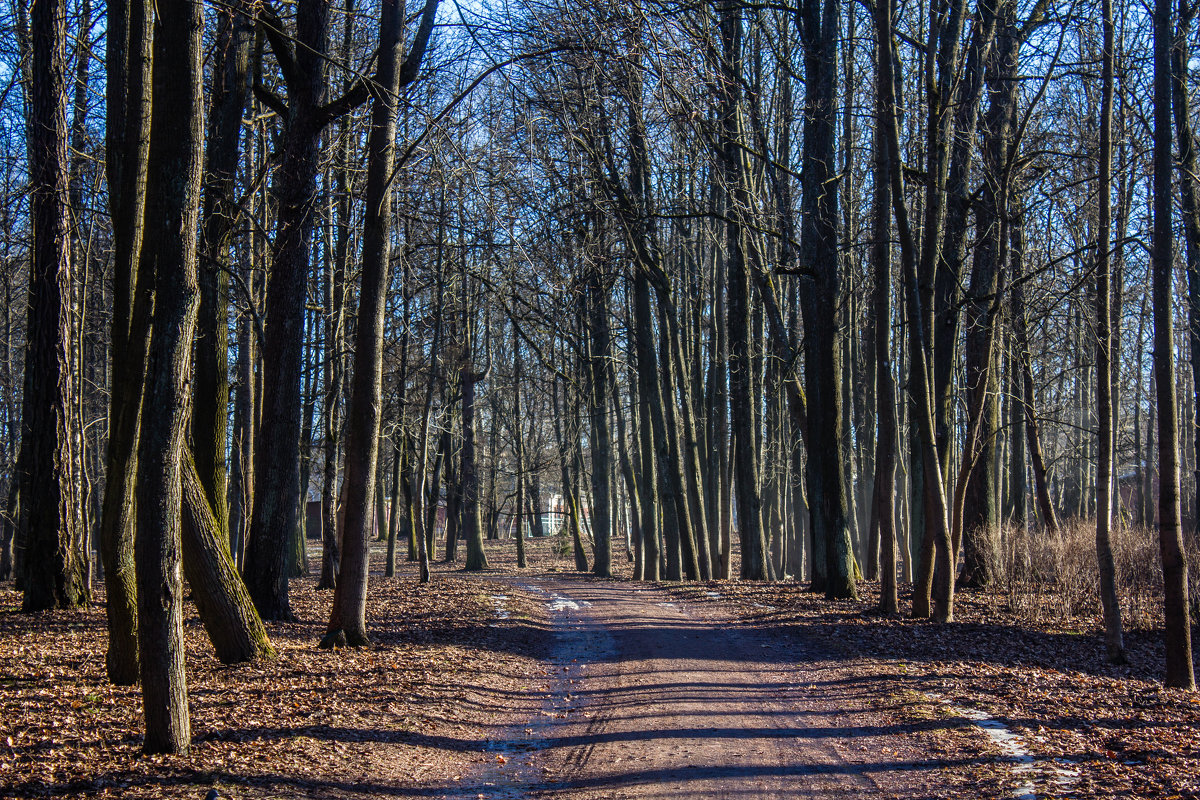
pixel 714 595
pixel 560 603
pixel 1025 767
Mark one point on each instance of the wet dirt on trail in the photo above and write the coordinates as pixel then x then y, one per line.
pixel 651 698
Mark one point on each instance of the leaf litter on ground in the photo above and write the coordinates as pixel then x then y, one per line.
pixel 1051 685
pixel 444 674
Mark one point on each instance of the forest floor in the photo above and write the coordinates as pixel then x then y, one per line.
pixel 545 683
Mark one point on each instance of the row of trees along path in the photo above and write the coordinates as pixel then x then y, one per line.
pixel 831 279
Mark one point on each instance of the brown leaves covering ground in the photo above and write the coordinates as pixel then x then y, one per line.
pixel 404 717
pixel 1116 726
pixel 413 714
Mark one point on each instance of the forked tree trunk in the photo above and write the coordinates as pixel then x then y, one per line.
pixel 221 599
pixel 127 137
pixel 210 394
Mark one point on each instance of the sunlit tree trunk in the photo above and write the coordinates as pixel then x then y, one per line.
pixel 127 137
pixel 347 621
pixel 1109 600
pixel 1180 672
pixel 210 396
pixel 884 499
pixel 169 253
pixel 48 523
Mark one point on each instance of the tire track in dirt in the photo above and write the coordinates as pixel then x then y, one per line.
pixel 652 699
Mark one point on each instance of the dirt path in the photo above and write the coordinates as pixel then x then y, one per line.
pixel 650 698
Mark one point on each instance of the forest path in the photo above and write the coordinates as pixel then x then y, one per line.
pixel 652 698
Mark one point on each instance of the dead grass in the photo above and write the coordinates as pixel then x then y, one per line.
pixel 1048 577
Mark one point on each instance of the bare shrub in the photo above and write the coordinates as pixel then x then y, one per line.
pixel 1054 577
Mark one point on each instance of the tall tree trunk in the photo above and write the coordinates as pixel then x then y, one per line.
pixel 335 318
pixel 49 526
pixel 682 456
pixel 450 445
pixel 742 404
pixel 949 268
pixel 1177 620
pixel 885 444
pixel 210 397
pixel 1190 206
pixel 469 475
pixel 127 137
pixel 519 447
pixel 981 517
pixel 567 443
pixel 937 525
pixel 1106 445
pixel 717 419
pixel 599 438
pixel 643 453
pixel 1017 487
pixel 827 490
pixel 1041 483
pixel 298 546
pixel 169 252
pixel 395 516
pixel 347 620
pixel 277 452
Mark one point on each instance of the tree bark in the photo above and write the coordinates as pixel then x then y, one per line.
pixel 49 526
pixel 599 438
pixel 347 621
pixel 221 599
pixel 937 525
pixel 741 401
pixel 1106 444
pixel 335 318
pixel 277 452
pixel 127 138
pixel 884 498
pixel 1177 620
pixel 980 516
pixel 169 253
pixel 821 296
pixel 210 397
pixel 1190 206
